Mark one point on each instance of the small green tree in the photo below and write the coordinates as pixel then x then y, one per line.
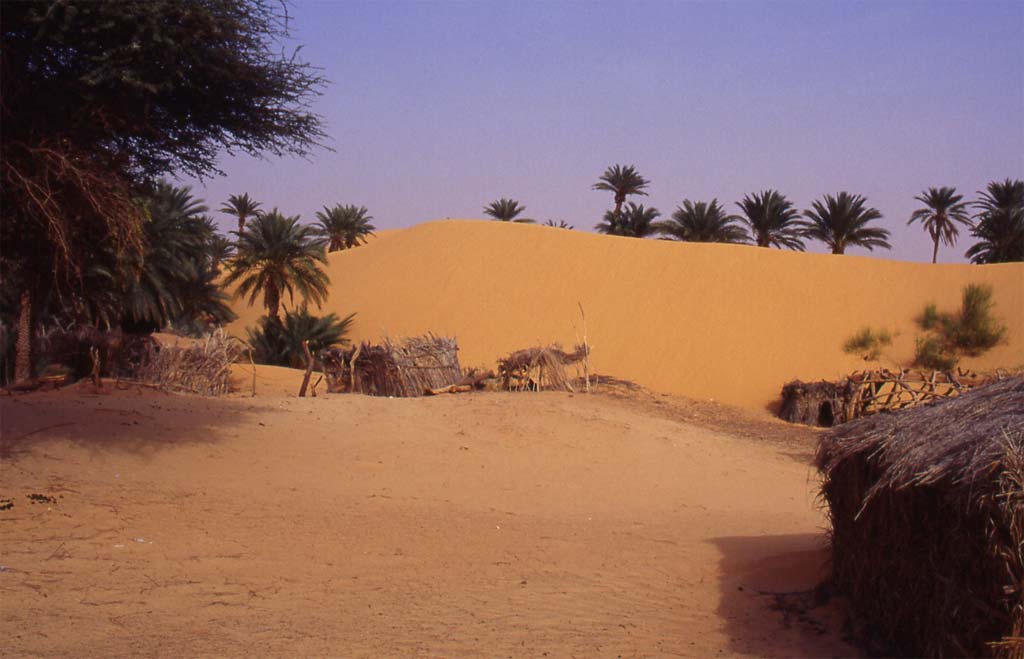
pixel 280 343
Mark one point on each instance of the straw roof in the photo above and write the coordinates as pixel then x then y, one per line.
pixel 956 442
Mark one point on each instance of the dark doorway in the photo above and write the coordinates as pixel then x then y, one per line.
pixel 826 418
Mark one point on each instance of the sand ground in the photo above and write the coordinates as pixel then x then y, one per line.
pixel 497 525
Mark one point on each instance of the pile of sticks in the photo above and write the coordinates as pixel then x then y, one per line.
pixel 864 393
pixel 203 368
pixel 540 368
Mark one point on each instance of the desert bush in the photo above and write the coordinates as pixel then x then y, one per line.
pixel 929 318
pixel 930 352
pixel 868 343
pixel 969 332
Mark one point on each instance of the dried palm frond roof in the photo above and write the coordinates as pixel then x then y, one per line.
pixel 955 441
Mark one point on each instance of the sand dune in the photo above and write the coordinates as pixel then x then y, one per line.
pixel 727 322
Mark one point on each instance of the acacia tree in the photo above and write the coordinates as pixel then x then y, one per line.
pixel 942 209
pixel 843 220
pixel 155 88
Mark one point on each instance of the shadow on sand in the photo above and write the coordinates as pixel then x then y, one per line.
pixel 780 577
pixel 130 419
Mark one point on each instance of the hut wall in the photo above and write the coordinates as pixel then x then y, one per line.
pixel 815 403
pixel 927 514
pixel 403 368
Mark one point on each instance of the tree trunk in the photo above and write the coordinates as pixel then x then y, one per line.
pixel 23 348
pixel 273 303
pixel 935 252
pixel 838 248
pixel 241 225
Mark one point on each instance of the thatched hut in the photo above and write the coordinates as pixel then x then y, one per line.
pixel 927 512
pixel 405 368
pixel 822 403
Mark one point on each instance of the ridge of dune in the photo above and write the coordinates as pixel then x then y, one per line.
pixel 731 323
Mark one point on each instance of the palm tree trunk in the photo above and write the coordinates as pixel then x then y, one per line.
pixel 241 224
pixel 273 300
pixel 23 347
pixel 839 248
pixel 935 251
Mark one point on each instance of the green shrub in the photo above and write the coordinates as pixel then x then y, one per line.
pixel 929 318
pixel 931 352
pixel 868 343
pixel 969 332
pixel 975 330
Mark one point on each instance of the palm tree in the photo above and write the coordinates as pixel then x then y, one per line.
pixel 506 210
pixel 773 220
pixel 175 238
pixel 280 344
pixel 942 208
pixel 1000 224
pixel 220 250
pixel 842 221
pixel 635 221
pixel 560 224
pixel 277 256
pixel 703 222
pixel 242 207
pixel 623 181
pixel 344 227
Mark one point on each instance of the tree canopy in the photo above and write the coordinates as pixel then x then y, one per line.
pixel 99 100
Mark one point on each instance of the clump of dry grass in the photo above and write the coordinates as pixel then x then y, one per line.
pixel 540 367
pixel 927 513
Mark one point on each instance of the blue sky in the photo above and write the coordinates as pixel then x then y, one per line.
pixel 437 108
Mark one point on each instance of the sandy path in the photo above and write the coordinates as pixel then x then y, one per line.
pixel 481 525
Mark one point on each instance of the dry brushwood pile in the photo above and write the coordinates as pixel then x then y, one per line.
pixel 403 368
pixel 204 367
pixel 540 368
pixel 868 392
pixel 927 514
